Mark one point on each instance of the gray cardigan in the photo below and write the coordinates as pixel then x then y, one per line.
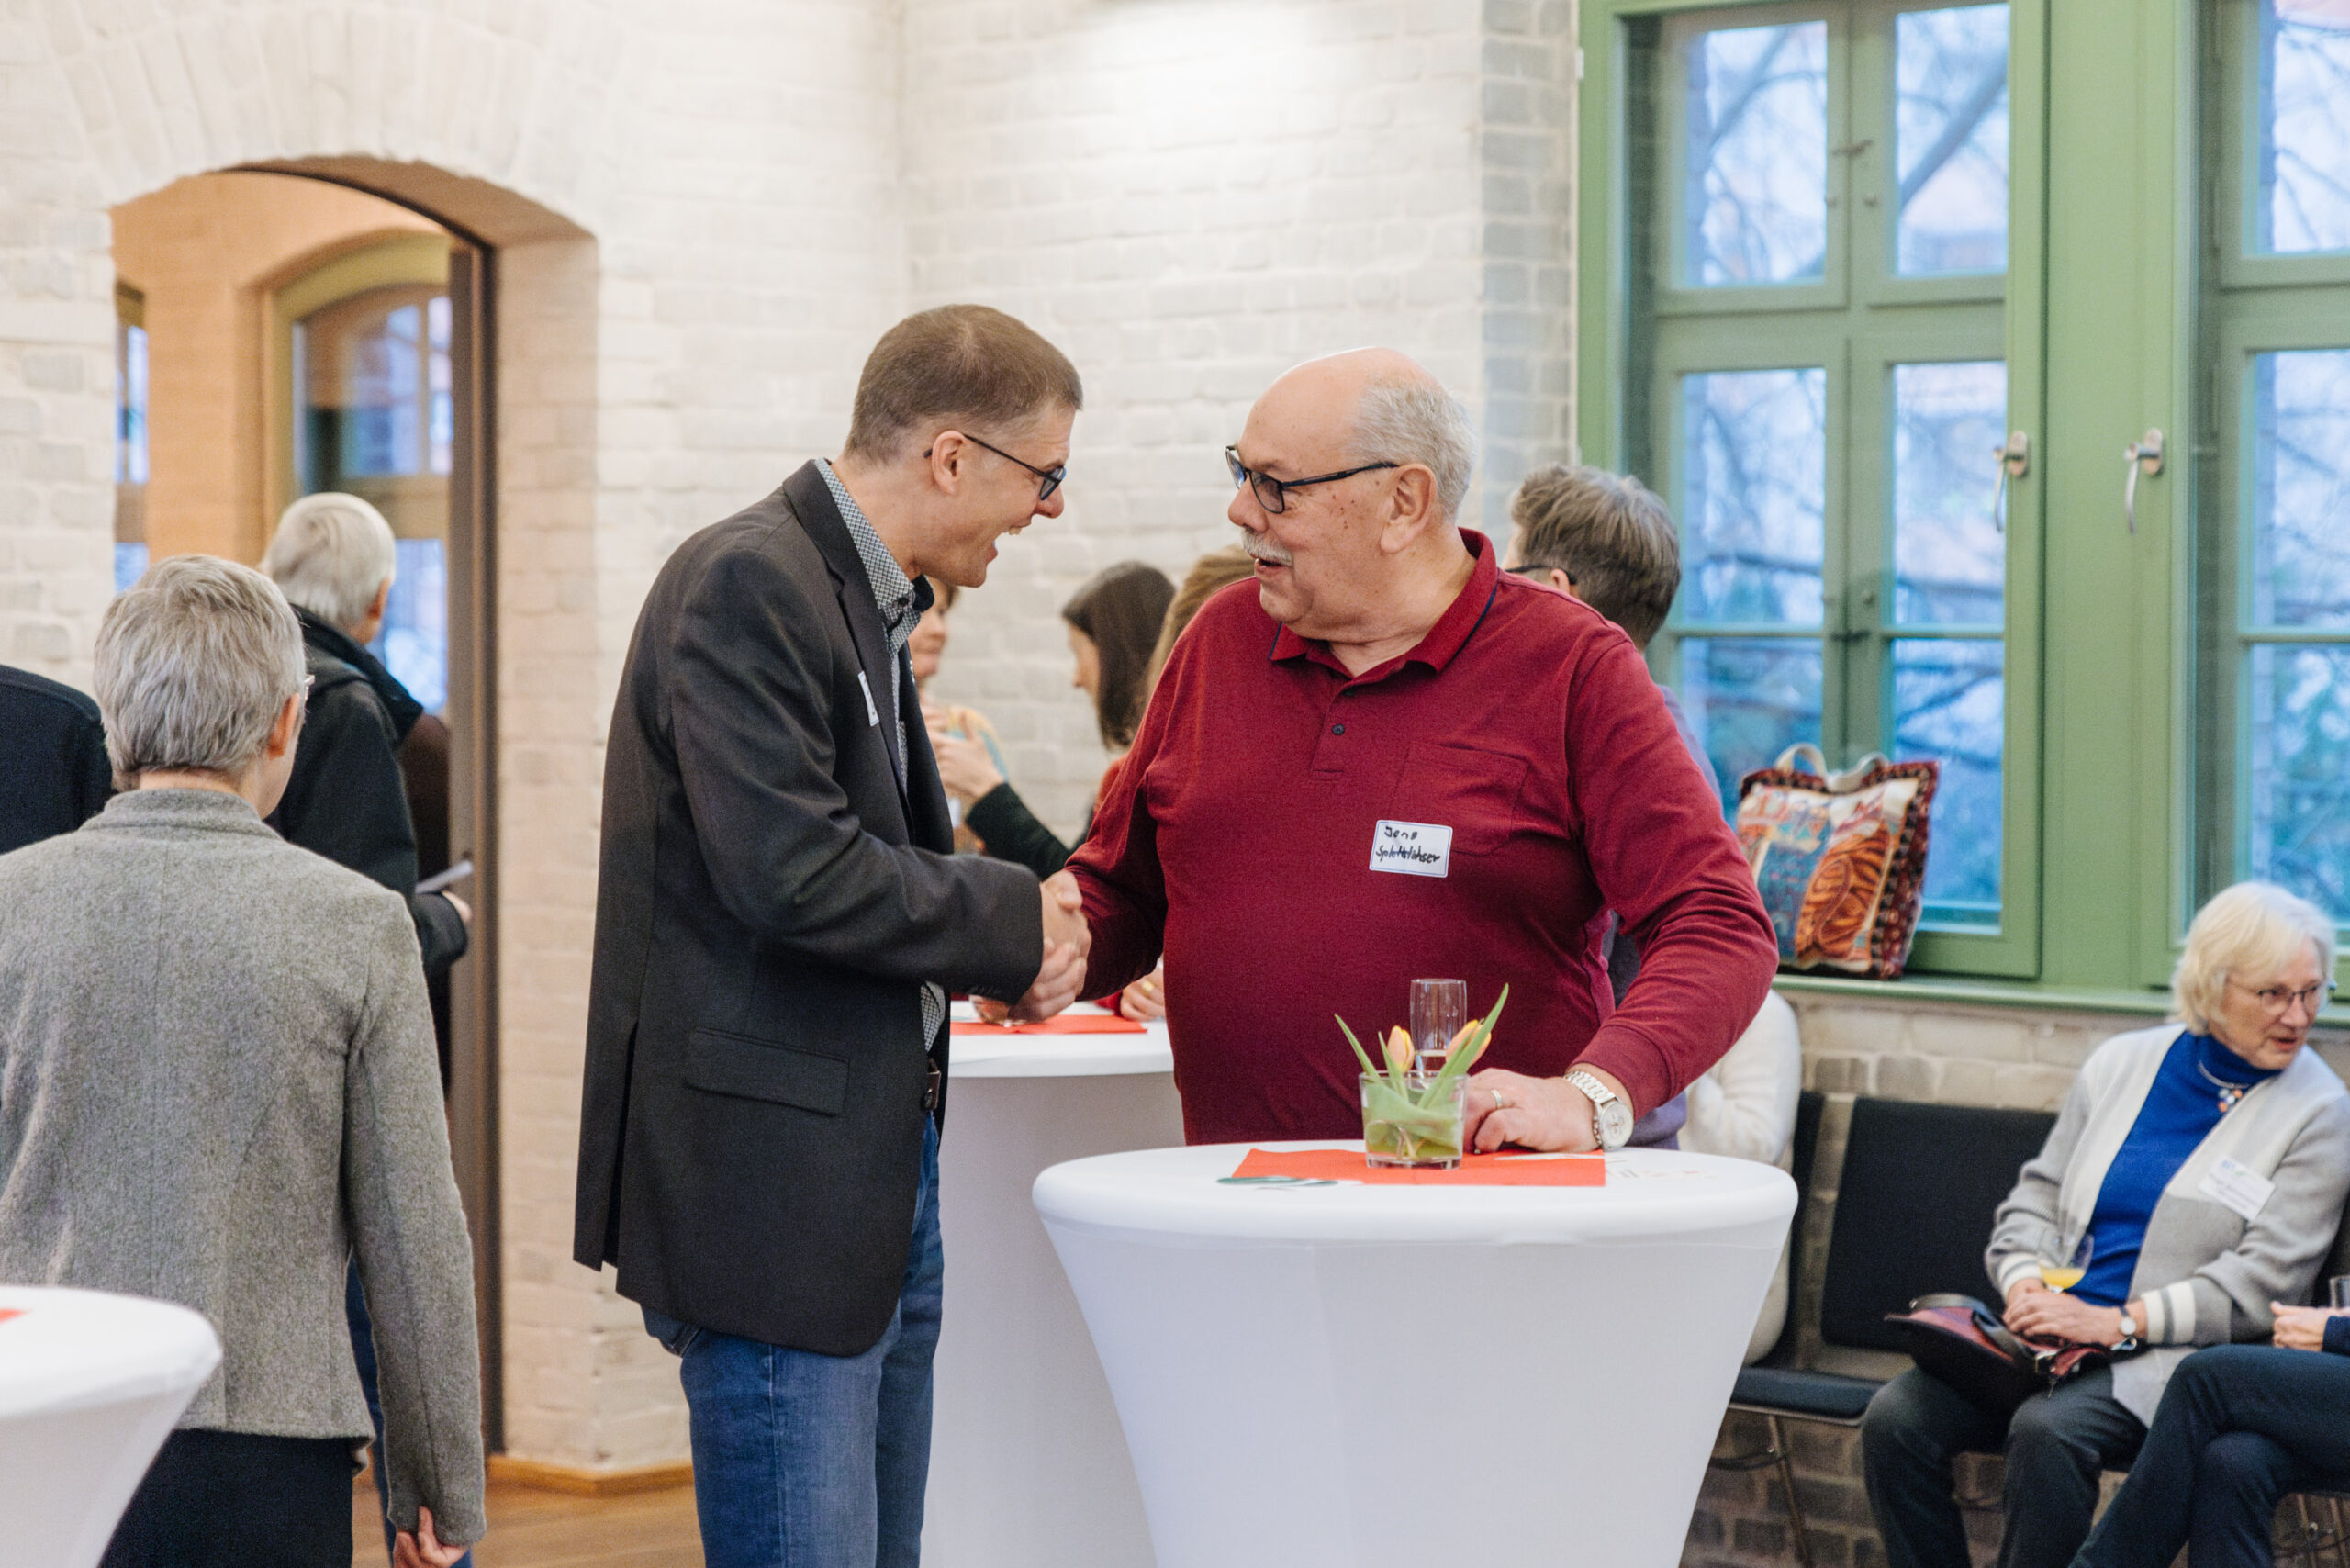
pixel 2206 1273
pixel 217 1079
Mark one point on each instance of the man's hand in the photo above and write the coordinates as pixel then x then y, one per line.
pixel 1546 1113
pixel 1145 998
pixel 964 766
pixel 1066 945
pixel 1065 912
pixel 2300 1327
pixel 2034 1309
pixel 421 1548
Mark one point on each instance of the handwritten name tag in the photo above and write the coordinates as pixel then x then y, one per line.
pixel 2245 1191
pixel 1413 849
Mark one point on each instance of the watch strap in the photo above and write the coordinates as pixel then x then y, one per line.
pixel 1601 1097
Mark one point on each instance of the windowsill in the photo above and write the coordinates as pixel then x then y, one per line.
pixel 1951 989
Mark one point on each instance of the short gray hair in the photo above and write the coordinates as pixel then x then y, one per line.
pixel 2249 932
pixel 193 665
pixel 330 553
pixel 1416 420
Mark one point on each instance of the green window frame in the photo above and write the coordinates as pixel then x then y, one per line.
pixel 1858 325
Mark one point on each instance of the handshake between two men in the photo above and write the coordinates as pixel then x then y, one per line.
pixel 1066 946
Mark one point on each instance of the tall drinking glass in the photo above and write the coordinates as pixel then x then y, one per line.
pixel 2061 1269
pixel 1439 1007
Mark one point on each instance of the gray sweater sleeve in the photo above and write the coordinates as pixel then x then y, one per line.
pixel 2027 1216
pixel 415 1262
pixel 2286 1243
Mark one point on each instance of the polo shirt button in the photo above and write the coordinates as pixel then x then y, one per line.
pixel 1338 729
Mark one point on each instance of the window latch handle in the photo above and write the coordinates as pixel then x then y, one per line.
pixel 2144 456
pixel 2014 456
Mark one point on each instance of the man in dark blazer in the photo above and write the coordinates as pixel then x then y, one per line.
pixel 779 915
pixel 53 771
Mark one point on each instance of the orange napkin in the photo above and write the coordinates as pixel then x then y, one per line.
pixel 8 1312
pixel 1065 1024
pixel 1476 1171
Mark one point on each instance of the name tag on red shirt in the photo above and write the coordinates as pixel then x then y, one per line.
pixel 1415 849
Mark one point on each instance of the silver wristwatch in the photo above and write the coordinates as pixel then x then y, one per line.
pixel 1611 1119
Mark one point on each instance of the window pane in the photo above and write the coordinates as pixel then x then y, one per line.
pixel 1951 140
pixel 1949 558
pixel 130 566
pixel 1749 699
pixel 2299 789
pixel 1757 197
pixel 414 642
pixel 2301 502
pixel 2304 201
pixel 1949 707
pixel 130 408
pixel 1754 478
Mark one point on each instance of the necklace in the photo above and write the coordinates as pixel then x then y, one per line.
pixel 2230 1094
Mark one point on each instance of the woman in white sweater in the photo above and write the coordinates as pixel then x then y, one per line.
pixel 1744 1107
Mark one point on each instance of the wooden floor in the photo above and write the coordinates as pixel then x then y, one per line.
pixel 531 1528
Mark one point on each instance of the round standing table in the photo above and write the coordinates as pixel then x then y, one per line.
pixel 1330 1376
pixel 90 1385
pixel 1027 1466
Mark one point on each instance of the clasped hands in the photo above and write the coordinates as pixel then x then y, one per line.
pixel 2033 1309
pixel 1066 945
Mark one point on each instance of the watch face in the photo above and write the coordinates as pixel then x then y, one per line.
pixel 1615 1124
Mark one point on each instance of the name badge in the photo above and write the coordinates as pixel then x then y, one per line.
pixel 1413 849
pixel 872 714
pixel 2239 1189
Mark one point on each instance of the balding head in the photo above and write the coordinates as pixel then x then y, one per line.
pixel 1357 553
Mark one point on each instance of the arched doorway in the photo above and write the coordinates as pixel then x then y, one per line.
pixel 295 334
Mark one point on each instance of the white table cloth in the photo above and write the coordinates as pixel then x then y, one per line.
pixel 1027 1466
pixel 1352 1375
pixel 90 1385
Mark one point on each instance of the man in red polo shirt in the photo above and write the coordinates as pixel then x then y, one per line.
pixel 1386 758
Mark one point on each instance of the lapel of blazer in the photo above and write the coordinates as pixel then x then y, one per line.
pixel 812 502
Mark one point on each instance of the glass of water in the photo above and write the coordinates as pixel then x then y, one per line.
pixel 1439 1009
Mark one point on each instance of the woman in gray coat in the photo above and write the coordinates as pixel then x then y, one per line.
pixel 217 1082
pixel 2207 1166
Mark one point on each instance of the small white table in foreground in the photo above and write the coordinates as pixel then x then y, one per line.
pixel 1331 1376
pixel 90 1385
pixel 1027 1466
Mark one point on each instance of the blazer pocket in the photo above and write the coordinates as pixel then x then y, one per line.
pixel 720 1063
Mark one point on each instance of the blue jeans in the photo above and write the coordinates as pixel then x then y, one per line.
pixel 363 1350
pixel 2239 1428
pixel 808 1460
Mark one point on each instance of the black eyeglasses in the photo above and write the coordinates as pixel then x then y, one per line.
pixel 1273 494
pixel 1047 480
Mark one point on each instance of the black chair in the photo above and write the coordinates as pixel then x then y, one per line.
pixel 1914 1202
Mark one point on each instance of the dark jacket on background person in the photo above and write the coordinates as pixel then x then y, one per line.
pixel 53 770
pixel 771 901
pixel 345 799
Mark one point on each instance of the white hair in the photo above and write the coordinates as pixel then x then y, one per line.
pixel 331 554
pixel 2249 932
pixel 1412 420
pixel 194 665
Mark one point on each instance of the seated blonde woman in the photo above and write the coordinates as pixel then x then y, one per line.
pixel 2207 1165
pixel 219 1085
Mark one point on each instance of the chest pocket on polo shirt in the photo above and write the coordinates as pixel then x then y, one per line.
pixel 1475 793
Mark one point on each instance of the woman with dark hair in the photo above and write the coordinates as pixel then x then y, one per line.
pixel 1112 623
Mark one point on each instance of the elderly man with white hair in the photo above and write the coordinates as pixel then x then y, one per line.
pixel 334 559
pixel 1386 758
pixel 218 1087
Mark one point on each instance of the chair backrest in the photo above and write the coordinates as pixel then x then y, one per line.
pixel 1808 1106
pixel 1913 1209
pixel 2337 1261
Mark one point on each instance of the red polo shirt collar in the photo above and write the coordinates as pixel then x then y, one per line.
pixel 1444 639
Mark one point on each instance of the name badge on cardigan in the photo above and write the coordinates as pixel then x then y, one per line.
pixel 1413 849
pixel 2242 1189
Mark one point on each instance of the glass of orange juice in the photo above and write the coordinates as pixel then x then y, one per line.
pixel 2062 1268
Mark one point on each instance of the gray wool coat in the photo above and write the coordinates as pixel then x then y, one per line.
pixel 217 1080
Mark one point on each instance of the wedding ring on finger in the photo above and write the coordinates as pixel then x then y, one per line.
pixel 1501 1100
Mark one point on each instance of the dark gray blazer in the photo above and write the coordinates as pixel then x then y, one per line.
pixel 768 900
pixel 217 1082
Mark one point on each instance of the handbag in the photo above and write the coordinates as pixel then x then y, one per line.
pixel 1839 858
pixel 1960 1340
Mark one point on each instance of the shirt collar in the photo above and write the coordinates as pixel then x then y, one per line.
pixel 1444 639
pixel 894 591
